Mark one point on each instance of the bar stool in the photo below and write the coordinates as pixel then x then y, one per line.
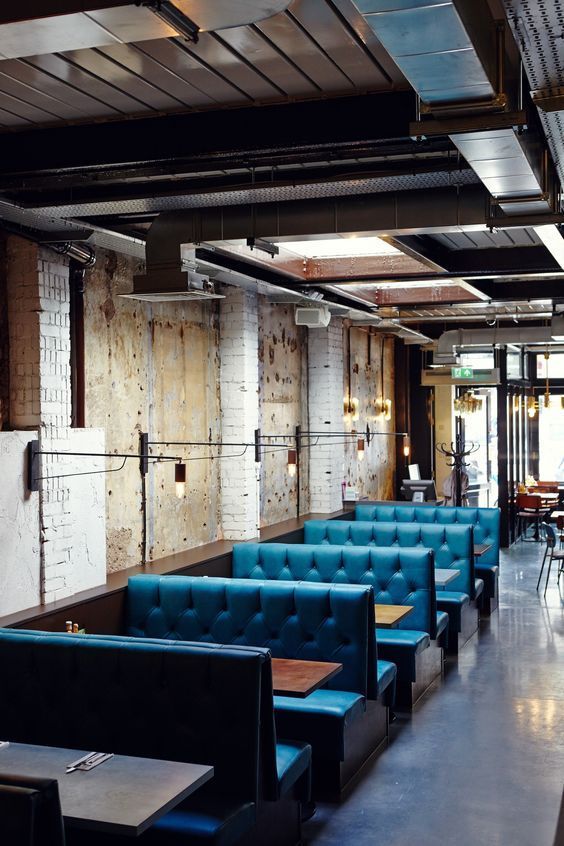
pixel 552 553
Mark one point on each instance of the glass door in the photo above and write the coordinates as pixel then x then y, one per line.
pixel 480 427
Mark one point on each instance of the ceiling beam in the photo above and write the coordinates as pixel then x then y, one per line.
pixel 322 130
pixel 28 10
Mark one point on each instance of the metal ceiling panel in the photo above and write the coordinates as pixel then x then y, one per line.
pixel 43 84
pixel 213 85
pixel 299 46
pixel 339 42
pixel 221 14
pixel 118 76
pixel 155 74
pixel 272 63
pixel 217 55
pixel 483 240
pixel 538 26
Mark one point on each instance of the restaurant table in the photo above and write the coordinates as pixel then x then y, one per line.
pixel 388 616
pixel 292 677
pixel 122 796
pixel 443 577
pixel 481 549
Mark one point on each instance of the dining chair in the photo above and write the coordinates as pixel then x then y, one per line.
pixel 551 553
pixel 30 812
pixel 560 529
pixel 530 510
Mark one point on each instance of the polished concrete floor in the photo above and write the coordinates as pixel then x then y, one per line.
pixel 481 760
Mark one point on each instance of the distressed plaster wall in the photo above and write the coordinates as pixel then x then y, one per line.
pixel 282 406
pixel 374 476
pixel 153 368
pixel 20 576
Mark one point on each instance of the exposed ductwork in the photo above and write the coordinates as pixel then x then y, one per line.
pixel 453 54
pixel 455 339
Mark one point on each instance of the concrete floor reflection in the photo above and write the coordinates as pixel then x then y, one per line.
pixel 481 760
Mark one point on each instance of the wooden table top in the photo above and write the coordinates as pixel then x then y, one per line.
pixel 388 616
pixel 481 549
pixel 444 576
pixel 124 795
pixel 292 677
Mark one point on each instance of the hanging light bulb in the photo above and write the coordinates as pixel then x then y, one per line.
pixel 531 406
pixel 546 390
pixel 386 409
pixel 360 449
pixel 406 446
pixel 180 479
pixel 351 408
pixel 292 462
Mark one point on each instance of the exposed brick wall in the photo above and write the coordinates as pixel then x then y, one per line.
pixel 239 412
pixel 40 398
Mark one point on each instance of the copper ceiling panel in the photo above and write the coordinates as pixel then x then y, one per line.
pixel 400 295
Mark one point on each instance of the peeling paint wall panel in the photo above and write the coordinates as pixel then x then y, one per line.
pixel 283 406
pixel 374 476
pixel 148 368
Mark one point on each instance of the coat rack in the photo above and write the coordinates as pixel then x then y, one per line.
pixel 457 454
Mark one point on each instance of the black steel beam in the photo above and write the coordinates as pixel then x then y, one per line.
pixel 344 127
pixel 39 194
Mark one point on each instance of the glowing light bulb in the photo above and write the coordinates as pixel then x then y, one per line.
pixel 180 480
pixel 406 446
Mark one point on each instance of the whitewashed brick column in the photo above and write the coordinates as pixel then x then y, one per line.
pixel 40 399
pixel 239 413
pixel 326 461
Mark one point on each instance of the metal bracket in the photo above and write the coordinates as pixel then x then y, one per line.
pixel 144 453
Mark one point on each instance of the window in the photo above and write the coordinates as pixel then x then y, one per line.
pixel 555 366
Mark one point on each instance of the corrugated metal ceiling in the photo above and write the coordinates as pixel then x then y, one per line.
pixel 484 239
pixel 316 48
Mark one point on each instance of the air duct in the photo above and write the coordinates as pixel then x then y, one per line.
pixel 453 55
pixel 455 339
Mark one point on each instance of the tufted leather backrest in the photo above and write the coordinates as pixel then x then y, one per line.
pixel 484 520
pixel 311 622
pixel 453 546
pixel 398 576
pixel 173 701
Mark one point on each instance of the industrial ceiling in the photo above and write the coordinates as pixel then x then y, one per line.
pixel 438 126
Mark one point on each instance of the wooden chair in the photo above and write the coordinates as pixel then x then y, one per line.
pixel 552 554
pixel 530 510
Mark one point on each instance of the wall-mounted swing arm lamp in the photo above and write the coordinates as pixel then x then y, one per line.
pixel 33 453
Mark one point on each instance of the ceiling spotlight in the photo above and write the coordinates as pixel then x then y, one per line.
pixel 167 12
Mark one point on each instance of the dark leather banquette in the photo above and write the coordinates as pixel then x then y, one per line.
pixel 304 621
pixel 453 548
pixel 398 576
pixel 484 520
pixel 200 703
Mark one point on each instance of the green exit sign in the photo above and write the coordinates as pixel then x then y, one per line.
pixel 462 372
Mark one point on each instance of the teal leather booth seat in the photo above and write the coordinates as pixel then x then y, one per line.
pixel 453 548
pixel 486 531
pixel 198 703
pixel 343 722
pixel 398 577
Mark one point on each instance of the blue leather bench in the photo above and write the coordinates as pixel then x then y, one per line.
pixel 343 722
pixel 201 703
pixel 453 548
pixel 486 531
pixel 398 576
